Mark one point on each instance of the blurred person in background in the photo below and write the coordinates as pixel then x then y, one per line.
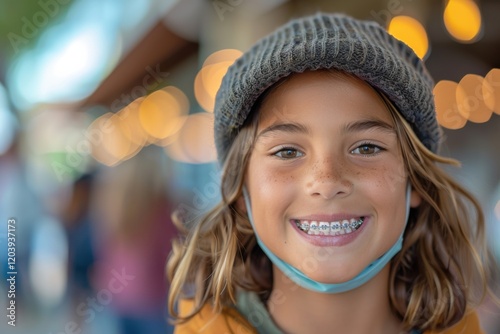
pixel 133 233
pixel 77 222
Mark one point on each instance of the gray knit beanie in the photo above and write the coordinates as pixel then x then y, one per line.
pixel 328 41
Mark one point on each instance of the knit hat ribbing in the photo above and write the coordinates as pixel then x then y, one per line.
pixel 327 41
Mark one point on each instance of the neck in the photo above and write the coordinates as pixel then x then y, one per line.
pixel 363 310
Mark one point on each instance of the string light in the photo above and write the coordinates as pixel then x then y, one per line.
pixel 411 32
pixel 462 20
pixel 209 78
pixel 447 112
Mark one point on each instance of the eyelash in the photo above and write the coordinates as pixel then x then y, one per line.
pixel 370 145
pixel 377 148
pixel 287 148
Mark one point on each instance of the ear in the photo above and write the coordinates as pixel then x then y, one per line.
pixel 415 199
pixel 240 204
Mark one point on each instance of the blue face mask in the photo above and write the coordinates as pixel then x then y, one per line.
pixel 301 279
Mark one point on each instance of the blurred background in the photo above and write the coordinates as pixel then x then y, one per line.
pixel 106 128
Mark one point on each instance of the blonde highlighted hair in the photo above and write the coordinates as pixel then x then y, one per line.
pixel 442 269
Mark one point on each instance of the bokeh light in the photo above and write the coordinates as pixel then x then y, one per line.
pixel 411 32
pixel 209 78
pixel 222 56
pixel 155 118
pixel 111 143
pixel 66 65
pixel 130 116
pixel 446 105
pixel 470 100
pixel 195 141
pixel 161 112
pixel 491 90
pixel 462 19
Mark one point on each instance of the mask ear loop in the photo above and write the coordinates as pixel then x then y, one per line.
pixel 301 279
pixel 407 205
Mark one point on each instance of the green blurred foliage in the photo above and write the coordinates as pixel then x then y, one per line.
pixel 16 15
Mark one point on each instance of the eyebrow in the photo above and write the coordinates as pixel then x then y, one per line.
pixel 284 127
pixel 370 124
pixel 356 126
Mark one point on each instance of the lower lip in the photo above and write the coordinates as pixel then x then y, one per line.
pixel 331 240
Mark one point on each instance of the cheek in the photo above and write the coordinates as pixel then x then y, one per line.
pixel 388 192
pixel 385 185
pixel 270 191
pixel 389 179
pixel 263 178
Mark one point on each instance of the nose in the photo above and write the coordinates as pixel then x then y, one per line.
pixel 328 178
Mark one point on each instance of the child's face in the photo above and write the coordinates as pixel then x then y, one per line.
pixel 326 152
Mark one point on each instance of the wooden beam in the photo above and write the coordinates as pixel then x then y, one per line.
pixel 160 50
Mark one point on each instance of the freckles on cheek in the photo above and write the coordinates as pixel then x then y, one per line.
pixel 372 178
pixel 384 181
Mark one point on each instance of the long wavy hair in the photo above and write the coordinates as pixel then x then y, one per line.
pixel 442 269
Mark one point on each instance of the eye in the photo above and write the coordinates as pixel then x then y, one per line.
pixel 288 153
pixel 367 149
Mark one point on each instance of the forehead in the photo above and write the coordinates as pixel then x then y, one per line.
pixel 322 94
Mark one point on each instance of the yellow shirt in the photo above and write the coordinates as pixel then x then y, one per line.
pixel 230 321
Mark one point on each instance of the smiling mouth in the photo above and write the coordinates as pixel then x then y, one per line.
pixel 342 227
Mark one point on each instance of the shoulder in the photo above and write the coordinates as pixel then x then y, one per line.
pixel 468 325
pixel 208 321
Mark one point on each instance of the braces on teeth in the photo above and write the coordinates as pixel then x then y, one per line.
pixel 330 228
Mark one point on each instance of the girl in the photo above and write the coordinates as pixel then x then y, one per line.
pixel 335 217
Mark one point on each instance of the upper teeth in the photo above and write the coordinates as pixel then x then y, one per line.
pixel 329 228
